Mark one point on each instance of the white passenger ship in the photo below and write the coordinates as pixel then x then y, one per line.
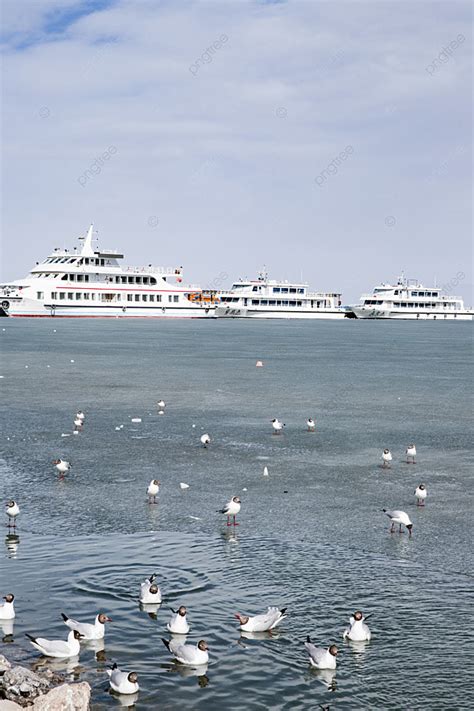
pixel 408 299
pixel 268 298
pixel 92 283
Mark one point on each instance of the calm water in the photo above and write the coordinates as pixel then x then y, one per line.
pixel 312 536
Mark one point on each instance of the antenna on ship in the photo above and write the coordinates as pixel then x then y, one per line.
pixel 263 275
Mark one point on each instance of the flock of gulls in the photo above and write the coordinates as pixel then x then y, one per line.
pixel 149 593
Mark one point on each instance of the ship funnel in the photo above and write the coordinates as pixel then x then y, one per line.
pixel 87 249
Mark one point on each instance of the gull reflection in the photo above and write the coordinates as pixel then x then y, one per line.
pixel 230 536
pixel 12 541
pixel 185 672
pixel 326 677
pixel 125 700
pixel 68 666
pixel 151 609
pixel 7 628
pixel 268 634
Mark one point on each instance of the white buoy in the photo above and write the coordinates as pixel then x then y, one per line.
pixel 183 486
pixel 161 412
pixel 136 419
pixel 244 489
pixel 265 471
pixel 259 364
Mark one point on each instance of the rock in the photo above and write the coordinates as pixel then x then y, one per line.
pixel 9 706
pixel 21 684
pixel 4 664
pixel 67 697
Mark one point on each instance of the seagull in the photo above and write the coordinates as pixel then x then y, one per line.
pixel 265 471
pixel 12 512
pixel 78 424
pixel 122 682
pixel 421 493
pixel 7 611
pixel 62 466
pixel 152 491
pixel 183 485
pixel 80 416
pixel 178 623
pixel 232 508
pixel 162 404
pixel 277 426
pixel 399 517
pixel 150 593
pixel 261 623
pixel 321 658
pixel 311 424
pixel 259 364
pixel 357 631
pixel 411 454
pixel 88 631
pixel 57 647
pixel 187 654
pixel 387 458
pixel 205 440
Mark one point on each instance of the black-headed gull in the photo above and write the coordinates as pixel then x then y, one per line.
pixel 321 658
pixel 277 426
pixel 261 623
pixel 57 647
pixel 7 610
pixel 150 593
pixel 387 457
pixel 357 631
pixel 311 424
pixel 87 630
pixel 205 440
pixel 411 454
pixel 399 517
pixel 62 466
pixel 80 416
pixel 161 404
pixel 123 682
pixel 178 623
pixel 12 512
pixel 187 654
pixel 421 493
pixel 153 490
pixel 78 424
pixel 232 508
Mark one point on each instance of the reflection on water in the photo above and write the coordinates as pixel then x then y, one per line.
pixel 327 677
pixel 125 700
pixel 7 630
pixel 150 609
pixel 12 541
pixel 69 666
pixel 269 634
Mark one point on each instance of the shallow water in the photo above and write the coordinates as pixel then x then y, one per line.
pixel 312 536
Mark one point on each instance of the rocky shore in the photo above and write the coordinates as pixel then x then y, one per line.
pixel 46 691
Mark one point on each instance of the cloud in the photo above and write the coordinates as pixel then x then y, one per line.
pixel 295 83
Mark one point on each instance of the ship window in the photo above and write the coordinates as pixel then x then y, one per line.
pixel 292 291
pixel 152 297
pixel 138 280
pixel 264 302
pixel 435 293
pixel 93 297
pixel 152 280
pixel 78 295
pixel 284 303
pixel 176 299
pixel 62 296
pixel 70 295
pixel 284 290
pixel 144 297
pixel 130 280
pixel 71 261
pixel 86 260
pixel 86 277
pixel 129 297
pixel 415 293
pixel 80 277
pixel 254 302
pixel 292 303
pixel 170 297
pixel 276 289
pixel 54 295
pixel 158 297
pixel 145 280
pixel 300 291
pixel 299 303
pixel 256 288
pixel 271 302
pixel 118 297
pixel 137 297
pixel 86 296
pixel 102 262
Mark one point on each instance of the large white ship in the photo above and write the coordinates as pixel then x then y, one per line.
pixel 408 299
pixel 269 298
pixel 91 282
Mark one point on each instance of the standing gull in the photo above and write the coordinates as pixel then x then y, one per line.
pixel 421 493
pixel 7 611
pixel 387 458
pixel 311 424
pixel 232 508
pixel 12 512
pixel 152 491
pixel 277 426
pixel 399 517
pixel 62 466
pixel 411 454
pixel 205 440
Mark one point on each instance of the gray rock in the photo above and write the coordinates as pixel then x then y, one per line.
pixel 67 697
pixel 4 664
pixel 21 684
pixel 9 706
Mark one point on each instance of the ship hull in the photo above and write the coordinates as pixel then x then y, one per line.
pixel 242 312
pixel 362 312
pixel 29 308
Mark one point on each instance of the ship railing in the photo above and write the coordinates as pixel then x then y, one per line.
pixel 150 269
pixel 321 295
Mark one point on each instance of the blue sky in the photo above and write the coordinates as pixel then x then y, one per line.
pixel 225 154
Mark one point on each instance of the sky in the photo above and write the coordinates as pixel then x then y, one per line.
pixel 329 141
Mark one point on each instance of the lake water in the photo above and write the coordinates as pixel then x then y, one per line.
pixel 312 536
